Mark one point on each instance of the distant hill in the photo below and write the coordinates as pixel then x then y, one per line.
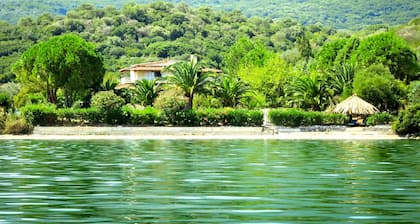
pixel 349 14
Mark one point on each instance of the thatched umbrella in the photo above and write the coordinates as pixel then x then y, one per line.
pixel 354 105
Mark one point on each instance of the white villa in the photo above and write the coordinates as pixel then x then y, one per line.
pixel 149 71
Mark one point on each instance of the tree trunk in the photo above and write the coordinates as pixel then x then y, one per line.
pixel 189 105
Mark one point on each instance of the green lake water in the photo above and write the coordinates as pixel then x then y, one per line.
pixel 209 181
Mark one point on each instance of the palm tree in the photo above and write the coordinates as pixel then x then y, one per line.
pixel 341 79
pixel 310 92
pixel 145 91
pixel 230 90
pixel 188 77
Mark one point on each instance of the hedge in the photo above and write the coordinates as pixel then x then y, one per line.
pixel 43 115
pixel 40 114
pixel 296 117
pixel 379 118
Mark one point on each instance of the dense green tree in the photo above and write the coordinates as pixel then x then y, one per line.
pixel 269 80
pixel 376 85
pixel 388 49
pixel 66 62
pixel 188 77
pixel 244 53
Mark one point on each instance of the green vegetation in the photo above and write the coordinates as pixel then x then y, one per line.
pixel 187 76
pixel 339 14
pixel 49 115
pixel 408 121
pixel 295 118
pixel 380 118
pixel 67 68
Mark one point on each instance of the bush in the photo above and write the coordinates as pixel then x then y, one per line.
pixel 379 118
pixel 80 116
pixel 17 126
pixel 170 99
pixel 107 100
pixel 110 105
pixel 180 117
pixel 296 117
pixel 40 114
pixel 2 122
pixel 227 116
pixel 212 117
pixel 146 116
pixel 408 121
pixel 244 117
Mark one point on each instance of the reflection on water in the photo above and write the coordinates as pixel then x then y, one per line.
pixel 236 181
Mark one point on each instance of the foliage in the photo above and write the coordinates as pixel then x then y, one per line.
pixel 311 92
pixel 414 94
pixel 107 100
pixel 146 116
pixel 376 85
pixel 146 91
pixel 341 80
pixel 240 117
pixel 230 90
pixel 17 126
pixel 40 114
pixel 379 118
pixel 66 62
pixel 296 117
pixel 339 14
pixel 206 101
pixel 110 81
pixel 3 117
pixel 391 51
pixel 408 121
pixel 80 116
pixel 5 101
pixel 180 117
pixel 171 98
pixel 110 106
pixel 188 77
pixel 268 79
pixel 335 53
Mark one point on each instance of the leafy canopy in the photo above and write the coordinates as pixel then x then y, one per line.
pixel 65 62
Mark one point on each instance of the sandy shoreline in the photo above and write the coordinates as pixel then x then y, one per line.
pixel 205 133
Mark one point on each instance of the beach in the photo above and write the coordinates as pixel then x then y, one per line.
pixel 172 133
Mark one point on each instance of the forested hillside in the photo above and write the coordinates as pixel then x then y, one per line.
pixel 158 30
pixel 265 62
pixel 354 14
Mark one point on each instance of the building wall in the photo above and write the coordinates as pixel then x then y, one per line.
pixel 139 75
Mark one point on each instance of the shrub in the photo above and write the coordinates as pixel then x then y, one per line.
pixel 17 126
pixel 227 116
pixel 2 122
pixel 296 117
pixel 244 117
pixel 40 114
pixel 180 117
pixel 379 118
pixel 107 100
pixel 408 121
pixel 146 116
pixel 170 99
pixel 80 116
pixel 212 117
pixel 110 105
pixel 5 101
